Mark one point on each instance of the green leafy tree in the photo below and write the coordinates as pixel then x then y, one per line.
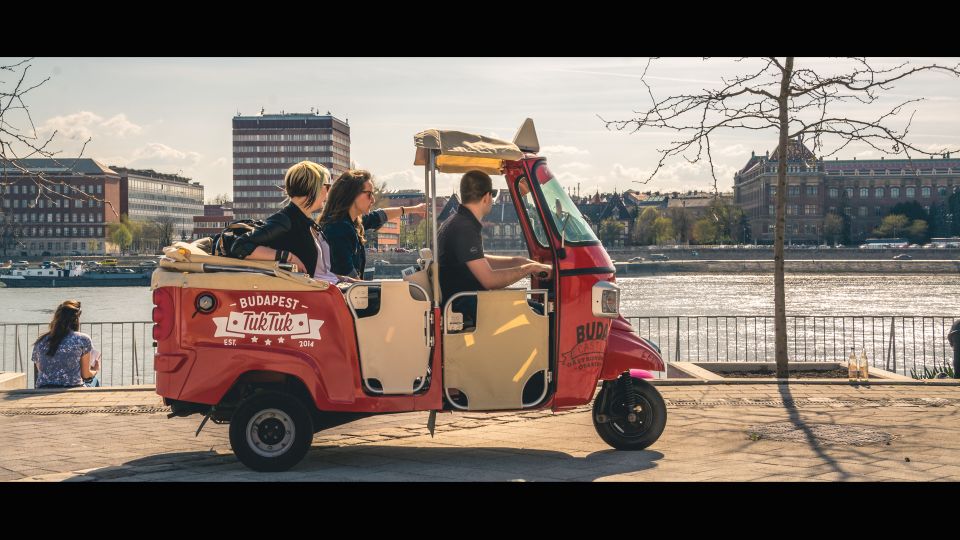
pixel 832 228
pixel 705 231
pixel 917 231
pixel 682 222
pixel 892 226
pixel 664 231
pixel 643 230
pixel 120 235
pixel 610 231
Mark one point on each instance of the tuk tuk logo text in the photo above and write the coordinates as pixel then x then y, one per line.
pixel 269 300
pixel 268 323
pixel 588 353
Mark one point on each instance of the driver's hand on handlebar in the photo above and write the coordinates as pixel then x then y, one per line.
pixel 542 271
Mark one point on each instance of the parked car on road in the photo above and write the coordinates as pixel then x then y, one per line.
pixel 659 257
pixel 902 257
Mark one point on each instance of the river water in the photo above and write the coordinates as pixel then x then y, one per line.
pixel 654 296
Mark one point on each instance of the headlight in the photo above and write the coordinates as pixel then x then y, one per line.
pixel 606 300
pixel 610 301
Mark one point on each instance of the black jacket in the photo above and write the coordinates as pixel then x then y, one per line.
pixel 288 229
pixel 347 254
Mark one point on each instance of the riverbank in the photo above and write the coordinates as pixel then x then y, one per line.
pixel 753 266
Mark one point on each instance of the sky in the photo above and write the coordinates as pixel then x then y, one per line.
pixel 174 115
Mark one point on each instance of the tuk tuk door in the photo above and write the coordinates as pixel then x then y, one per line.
pixel 558 234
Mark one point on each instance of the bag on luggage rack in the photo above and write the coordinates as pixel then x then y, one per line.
pixel 221 243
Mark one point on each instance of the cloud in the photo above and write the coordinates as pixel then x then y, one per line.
pixel 405 179
pixel 119 126
pixel 86 124
pixel 680 176
pixel 562 149
pixel 576 165
pixel 731 151
pixel 220 162
pixel 154 154
pixel 73 126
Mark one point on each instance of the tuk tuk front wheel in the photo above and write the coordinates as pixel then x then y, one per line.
pixel 271 432
pixel 626 429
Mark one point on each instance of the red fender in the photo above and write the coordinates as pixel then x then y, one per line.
pixel 626 351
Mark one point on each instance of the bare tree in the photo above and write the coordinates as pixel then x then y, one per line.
pixel 798 103
pixel 222 199
pixel 20 139
pixel 165 227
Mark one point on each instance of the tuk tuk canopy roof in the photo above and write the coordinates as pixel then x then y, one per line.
pixel 462 152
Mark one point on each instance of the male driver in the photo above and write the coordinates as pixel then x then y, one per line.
pixel 463 265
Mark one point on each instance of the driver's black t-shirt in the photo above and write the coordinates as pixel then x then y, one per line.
pixel 459 241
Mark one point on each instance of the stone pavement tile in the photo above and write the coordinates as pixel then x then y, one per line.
pixel 945 472
pixel 901 465
pixel 794 462
pixel 904 475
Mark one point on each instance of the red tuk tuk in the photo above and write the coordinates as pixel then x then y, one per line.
pixel 280 356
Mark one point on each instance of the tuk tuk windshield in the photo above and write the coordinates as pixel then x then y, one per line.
pixel 567 218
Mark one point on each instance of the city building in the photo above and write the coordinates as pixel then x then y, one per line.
pixel 697 203
pixel 66 213
pixel 151 197
pixel 266 145
pixel 861 192
pixel 214 219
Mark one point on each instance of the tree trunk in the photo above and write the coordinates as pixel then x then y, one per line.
pixel 780 312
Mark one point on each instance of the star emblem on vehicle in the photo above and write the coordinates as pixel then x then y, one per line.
pixel 254 339
pixel 280 340
pixel 267 342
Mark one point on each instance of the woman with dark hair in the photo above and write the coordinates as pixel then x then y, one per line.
pixel 348 214
pixel 62 355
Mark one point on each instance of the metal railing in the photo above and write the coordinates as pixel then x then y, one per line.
pixel 894 343
pixel 126 348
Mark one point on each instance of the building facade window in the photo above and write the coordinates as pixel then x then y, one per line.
pixel 834 193
pixel 911 193
pixel 894 193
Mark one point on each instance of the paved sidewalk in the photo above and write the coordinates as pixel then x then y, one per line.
pixel 763 432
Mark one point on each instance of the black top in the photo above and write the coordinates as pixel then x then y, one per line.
pixel 288 229
pixel 458 242
pixel 348 257
pixel 954 336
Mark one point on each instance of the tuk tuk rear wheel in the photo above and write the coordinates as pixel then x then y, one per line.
pixel 271 432
pixel 614 424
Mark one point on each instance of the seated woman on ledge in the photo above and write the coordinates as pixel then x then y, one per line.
pixel 62 355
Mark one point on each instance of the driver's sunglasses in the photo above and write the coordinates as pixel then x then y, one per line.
pixel 494 193
pixel 368 192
